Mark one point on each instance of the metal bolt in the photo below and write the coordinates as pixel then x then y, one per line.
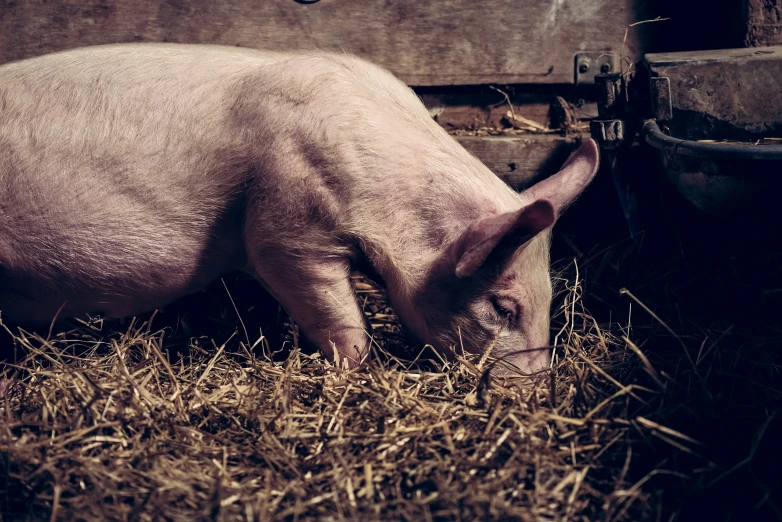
pixel 583 67
pixel 605 68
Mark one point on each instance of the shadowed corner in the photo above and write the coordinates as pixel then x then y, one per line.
pixel 10 352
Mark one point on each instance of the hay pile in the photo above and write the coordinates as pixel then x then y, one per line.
pixel 112 427
pixel 647 414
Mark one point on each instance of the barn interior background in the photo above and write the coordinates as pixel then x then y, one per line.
pixel 663 403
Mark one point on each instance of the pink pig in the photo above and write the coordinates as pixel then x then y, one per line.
pixel 131 175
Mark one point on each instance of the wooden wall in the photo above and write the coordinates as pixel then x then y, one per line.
pixel 424 42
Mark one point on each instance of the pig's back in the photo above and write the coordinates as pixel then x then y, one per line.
pixel 112 97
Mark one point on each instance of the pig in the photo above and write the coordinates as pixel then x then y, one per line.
pixel 134 174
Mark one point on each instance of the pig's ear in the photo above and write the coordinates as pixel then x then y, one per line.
pixel 564 187
pixel 499 237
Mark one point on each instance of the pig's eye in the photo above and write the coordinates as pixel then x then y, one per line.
pixel 506 309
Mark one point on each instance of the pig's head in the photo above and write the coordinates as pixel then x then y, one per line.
pixel 491 288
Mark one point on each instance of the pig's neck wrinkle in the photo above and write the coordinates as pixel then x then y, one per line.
pixel 403 243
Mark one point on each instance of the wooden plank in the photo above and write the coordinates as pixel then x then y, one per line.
pixel 446 42
pixel 521 160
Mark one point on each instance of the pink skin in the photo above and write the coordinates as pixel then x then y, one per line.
pixel 131 175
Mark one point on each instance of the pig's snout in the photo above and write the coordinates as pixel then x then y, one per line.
pixel 524 363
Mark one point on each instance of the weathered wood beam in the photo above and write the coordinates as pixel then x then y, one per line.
pixel 521 160
pixel 449 42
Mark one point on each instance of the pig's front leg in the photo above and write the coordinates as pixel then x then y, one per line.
pixel 319 297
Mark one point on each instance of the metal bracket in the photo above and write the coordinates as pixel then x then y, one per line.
pixel 611 94
pixel 609 134
pixel 588 64
pixel 660 91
